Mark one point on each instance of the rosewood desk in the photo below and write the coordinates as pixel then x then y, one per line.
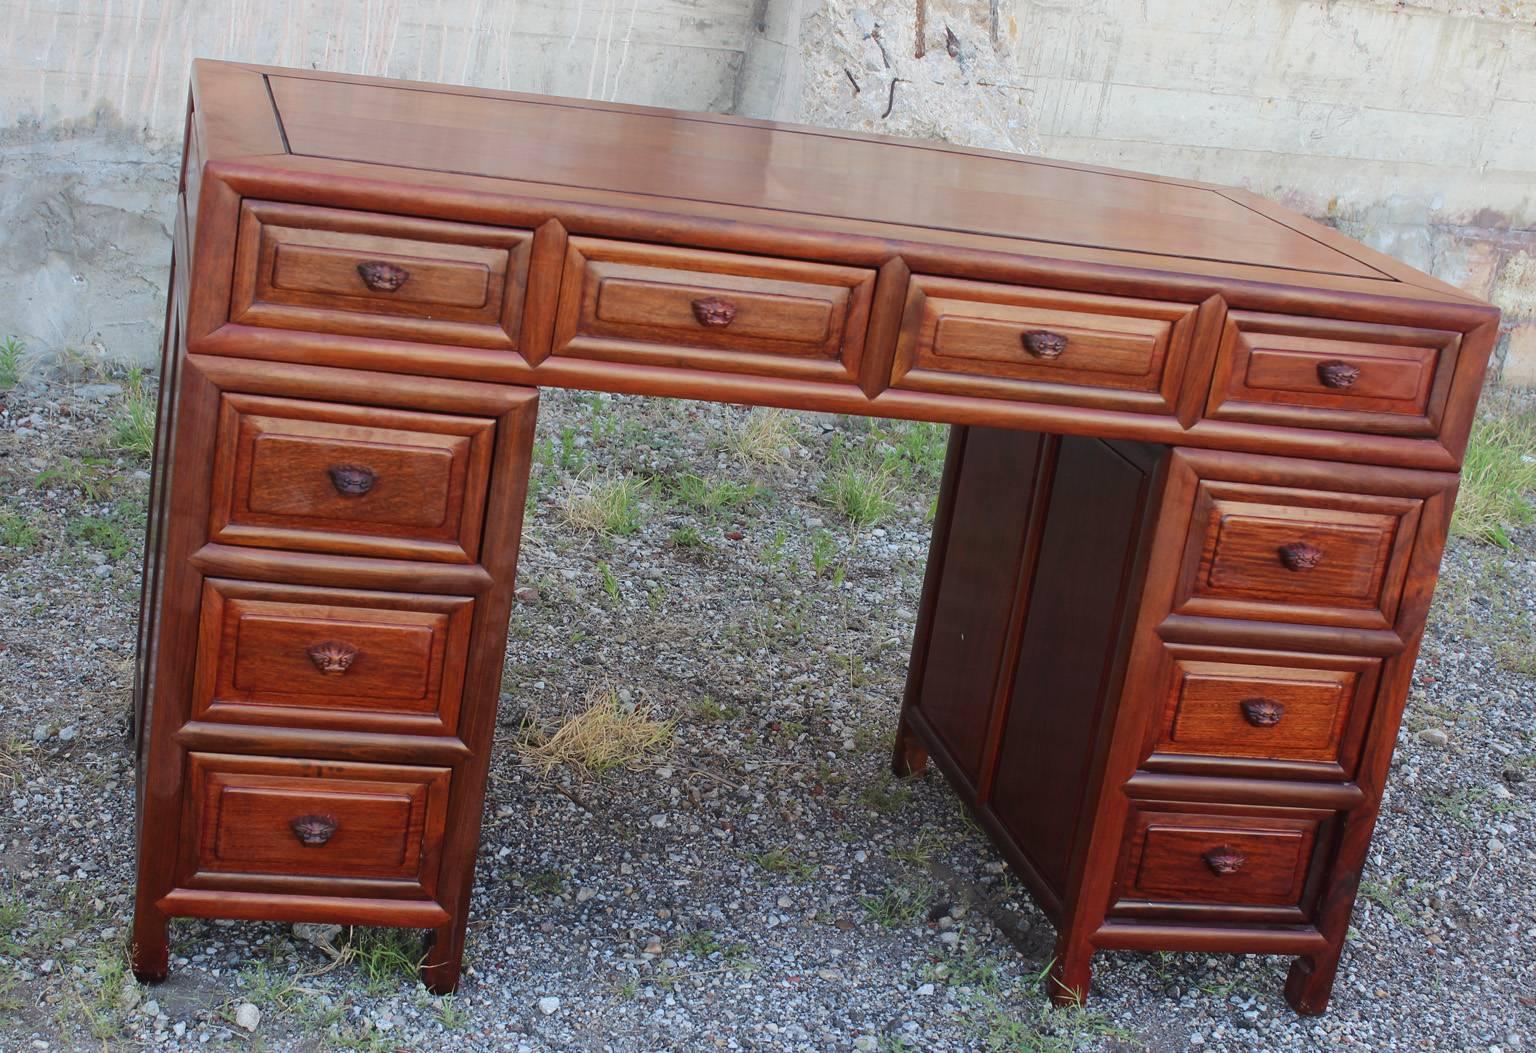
pixel 1202 465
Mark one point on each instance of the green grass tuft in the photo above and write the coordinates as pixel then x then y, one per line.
pixel 11 351
pixel 862 495
pixel 133 429
pixel 1498 477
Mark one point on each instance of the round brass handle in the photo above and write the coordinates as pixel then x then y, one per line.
pixel 1262 712
pixel 714 312
pixel 352 480
pixel 382 277
pixel 313 830
pixel 1225 860
pixel 1300 556
pixel 1337 374
pixel 333 657
pixel 1042 343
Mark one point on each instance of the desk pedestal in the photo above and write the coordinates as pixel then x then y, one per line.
pixel 1167 683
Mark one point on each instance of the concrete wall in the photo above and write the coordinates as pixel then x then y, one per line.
pixel 92 95
pixel 1407 123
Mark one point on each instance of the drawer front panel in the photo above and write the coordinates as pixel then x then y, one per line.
pixel 1185 860
pixel 273 817
pixel 659 305
pixel 357 480
pixel 335 271
pixel 1276 369
pixel 1296 555
pixel 1046 345
pixel 1226 706
pixel 331 658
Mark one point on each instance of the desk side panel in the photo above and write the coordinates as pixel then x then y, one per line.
pixel 978 554
pixel 1070 655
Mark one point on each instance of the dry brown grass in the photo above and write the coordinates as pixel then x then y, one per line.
pixel 603 504
pixel 606 735
pixel 768 438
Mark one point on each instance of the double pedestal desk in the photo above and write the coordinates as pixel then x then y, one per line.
pixel 1201 468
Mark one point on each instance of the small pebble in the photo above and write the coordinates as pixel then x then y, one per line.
pixel 549 1005
pixel 247 1016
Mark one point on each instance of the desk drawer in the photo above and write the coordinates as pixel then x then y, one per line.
pixel 1043 345
pixel 1295 555
pixel 1313 373
pixel 1213 861
pixel 267 822
pixel 331 658
pixel 1229 710
pixel 361 273
pixel 358 480
pixel 658 305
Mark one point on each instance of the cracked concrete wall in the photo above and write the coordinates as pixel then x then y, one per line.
pixel 92 95
pixel 1405 123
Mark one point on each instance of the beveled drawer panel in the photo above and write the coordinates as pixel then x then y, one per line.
pixel 1261 712
pixel 300 656
pixel 1308 372
pixel 660 305
pixel 337 271
pixel 1220 861
pixel 270 822
pixel 360 480
pixel 1043 345
pixel 1296 555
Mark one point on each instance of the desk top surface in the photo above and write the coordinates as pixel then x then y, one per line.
pixel 667 159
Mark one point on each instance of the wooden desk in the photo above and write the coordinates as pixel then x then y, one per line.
pixel 1201 472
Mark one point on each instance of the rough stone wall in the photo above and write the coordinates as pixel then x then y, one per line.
pixel 92 97
pixel 1406 124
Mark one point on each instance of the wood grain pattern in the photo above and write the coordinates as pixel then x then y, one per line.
pixel 275 485
pixel 1324 701
pixel 1241 563
pixel 1273 369
pixel 405 673
pixel 627 302
pixel 974 338
pixel 387 822
pixel 809 171
pixel 299 267
pixel 1201 859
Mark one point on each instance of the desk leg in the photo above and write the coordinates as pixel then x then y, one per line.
pixel 487 656
pixel 151 954
pixel 910 756
pixel 1071 971
pixel 444 957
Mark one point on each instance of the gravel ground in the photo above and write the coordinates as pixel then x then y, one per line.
pixel 761 883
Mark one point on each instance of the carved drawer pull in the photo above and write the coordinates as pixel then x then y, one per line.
pixel 1225 860
pixel 1300 556
pixel 1042 343
pixel 1262 712
pixel 313 830
pixel 1336 374
pixel 353 480
pixel 714 312
pixel 333 657
pixel 382 277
